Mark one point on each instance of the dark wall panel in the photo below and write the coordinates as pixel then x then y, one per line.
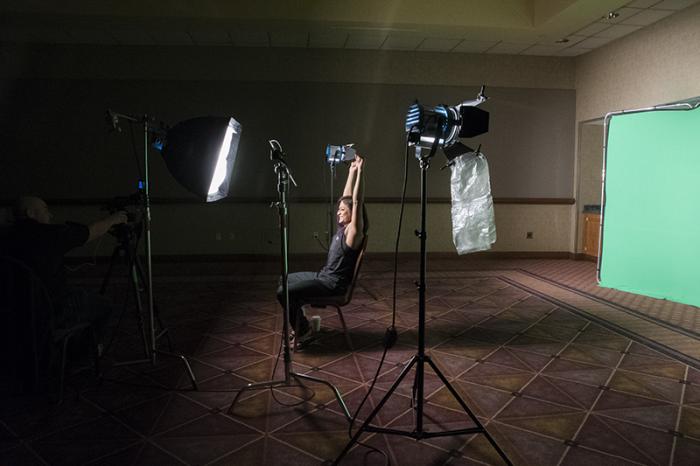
pixel 57 144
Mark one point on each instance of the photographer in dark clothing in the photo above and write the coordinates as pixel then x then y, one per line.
pixel 334 278
pixel 41 246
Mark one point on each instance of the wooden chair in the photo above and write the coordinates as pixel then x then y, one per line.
pixel 342 300
pixel 28 315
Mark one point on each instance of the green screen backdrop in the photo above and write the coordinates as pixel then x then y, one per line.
pixel 651 211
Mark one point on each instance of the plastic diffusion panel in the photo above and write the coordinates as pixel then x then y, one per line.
pixel 651 203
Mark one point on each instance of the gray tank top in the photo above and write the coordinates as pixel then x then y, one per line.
pixel 340 265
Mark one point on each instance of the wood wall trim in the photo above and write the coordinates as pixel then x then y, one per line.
pixel 309 200
pixel 320 257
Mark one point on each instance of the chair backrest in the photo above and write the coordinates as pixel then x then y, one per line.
pixel 348 293
pixel 26 316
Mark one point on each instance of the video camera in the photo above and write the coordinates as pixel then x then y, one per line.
pixel 122 203
pixel 130 232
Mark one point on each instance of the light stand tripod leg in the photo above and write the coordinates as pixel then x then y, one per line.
pixel 259 386
pixel 110 268
pixel 163 330
pixel 136 290
pixel 336 392
pixel 366 426
pixel 479 426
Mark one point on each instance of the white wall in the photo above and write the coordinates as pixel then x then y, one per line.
pixel 655 65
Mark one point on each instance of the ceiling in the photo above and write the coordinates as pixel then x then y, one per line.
pixel 519 27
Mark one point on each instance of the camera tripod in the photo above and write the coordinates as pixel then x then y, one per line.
pixel 128 237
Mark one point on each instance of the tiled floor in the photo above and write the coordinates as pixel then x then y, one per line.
pixel 553 380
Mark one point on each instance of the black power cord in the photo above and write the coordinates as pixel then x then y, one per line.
pixel 390 335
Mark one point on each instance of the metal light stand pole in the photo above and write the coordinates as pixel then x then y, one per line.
pixel 420 359
pixel 331 202
pixel 153 337
pixel 283 177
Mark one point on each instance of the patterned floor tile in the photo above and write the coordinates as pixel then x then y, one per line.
pixel 84 442
pixel 323 435
pixel 599 435
pixel 21 456
pixel 504 325
pixel 527 448
pixel 562 318
pixel 268 451
pixel 551 386
pixel 466 347
pixel 562 392
pixel 687 452
pixel 139 454
pixel 653 444
pixel 692 395
pixel 267 411
pixel 206 439
pixel 655 366
pixel 645 411
pixel 560 426
pixel 539 345
pixel 497 376
pixel 591 355
pixel 530 407
pixel 578 372
pixel 582 456
pixel 482 401
pixel 690 422
pixel 160 414
pixel 232 358
pixel 645 385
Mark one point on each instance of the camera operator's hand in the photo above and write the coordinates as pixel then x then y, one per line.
pixel 100 227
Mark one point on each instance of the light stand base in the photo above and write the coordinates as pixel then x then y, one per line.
pixel 287 382
pixel 419 433
pixel 283 177
pixel 185 362
pixel 137 283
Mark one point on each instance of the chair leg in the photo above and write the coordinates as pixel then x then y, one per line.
pixel 345 327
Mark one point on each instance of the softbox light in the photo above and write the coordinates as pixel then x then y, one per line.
pixel 200 154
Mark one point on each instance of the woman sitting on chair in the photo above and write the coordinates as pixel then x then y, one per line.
pixel 334 278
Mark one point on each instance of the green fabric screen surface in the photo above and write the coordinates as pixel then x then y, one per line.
pixel 651 221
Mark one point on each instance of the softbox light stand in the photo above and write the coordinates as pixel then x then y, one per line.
pixel 153 337
pixel 283 178
pixel 420 359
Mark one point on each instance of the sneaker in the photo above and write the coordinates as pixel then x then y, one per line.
pixel 304 336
